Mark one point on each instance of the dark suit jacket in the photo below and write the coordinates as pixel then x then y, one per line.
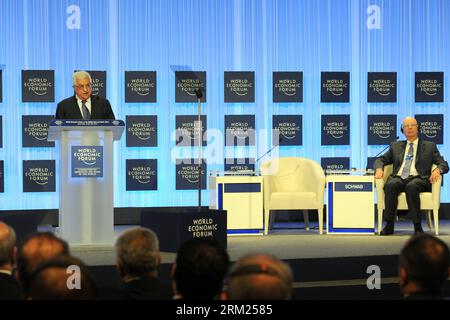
pixel 427 155
pixel 425 296
pixel 9 288
pixel 100 109
pixel 147 288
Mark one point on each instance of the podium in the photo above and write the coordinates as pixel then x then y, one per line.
pixel 350 203
pixel 86 206
pixel 241 195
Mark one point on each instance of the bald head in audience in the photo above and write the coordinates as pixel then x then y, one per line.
pixel 259 277
pixel 36 249
pixel 61 278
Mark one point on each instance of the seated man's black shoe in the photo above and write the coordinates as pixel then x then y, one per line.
pixel 418 228
pixel 388 229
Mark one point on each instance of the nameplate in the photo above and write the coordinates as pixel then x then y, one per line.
pixel 353 186
pixel 86 123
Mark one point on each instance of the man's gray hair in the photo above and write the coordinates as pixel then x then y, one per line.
pixel 7 243
pixel 137 251
pixel 80 75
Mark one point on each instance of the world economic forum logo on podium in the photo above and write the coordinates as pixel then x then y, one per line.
pixel 87 161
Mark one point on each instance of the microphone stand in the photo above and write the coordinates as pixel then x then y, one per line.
pixel 280 138
pixel 379 153
pixel 198 92
pixel 265 154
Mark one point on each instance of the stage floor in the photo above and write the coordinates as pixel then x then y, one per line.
pixel 288 241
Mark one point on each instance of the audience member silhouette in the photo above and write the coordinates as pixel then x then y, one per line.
pixel 9 287
pixel 36 249
pixel 61 278
pixel 199 270
pixel 424 267
pixel 259 277
pixel 138 259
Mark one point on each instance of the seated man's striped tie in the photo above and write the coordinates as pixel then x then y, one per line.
pixel 408 161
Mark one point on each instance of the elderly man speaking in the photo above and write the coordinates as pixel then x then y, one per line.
pixel 83 105
pixel 412 160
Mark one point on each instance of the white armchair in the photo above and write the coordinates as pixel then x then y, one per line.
pixel 293 184
pixel 429 201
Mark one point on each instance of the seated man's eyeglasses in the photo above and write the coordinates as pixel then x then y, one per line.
pixel 410 126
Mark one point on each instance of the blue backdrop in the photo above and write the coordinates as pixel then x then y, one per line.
pixel 216 36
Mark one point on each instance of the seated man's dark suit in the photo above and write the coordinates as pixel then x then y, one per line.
pixel 427 155
pixel 148 288
pixel 144 288
pixel 9 288
pixel 100 109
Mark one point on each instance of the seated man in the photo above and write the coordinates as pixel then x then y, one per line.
pixel 9 287
pixel 61 278
pixel 412 162
pixel 138 260
pixel 37 248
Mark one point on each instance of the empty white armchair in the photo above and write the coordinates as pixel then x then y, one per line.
pixel 293 184
pixel 429 201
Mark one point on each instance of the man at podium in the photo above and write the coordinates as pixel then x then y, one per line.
pixel 83 105
pixel 412 161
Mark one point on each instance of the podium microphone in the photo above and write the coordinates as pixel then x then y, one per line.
pixel 280 138
pixel 381 152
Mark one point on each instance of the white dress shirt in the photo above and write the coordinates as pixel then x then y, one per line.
pixel 80 104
